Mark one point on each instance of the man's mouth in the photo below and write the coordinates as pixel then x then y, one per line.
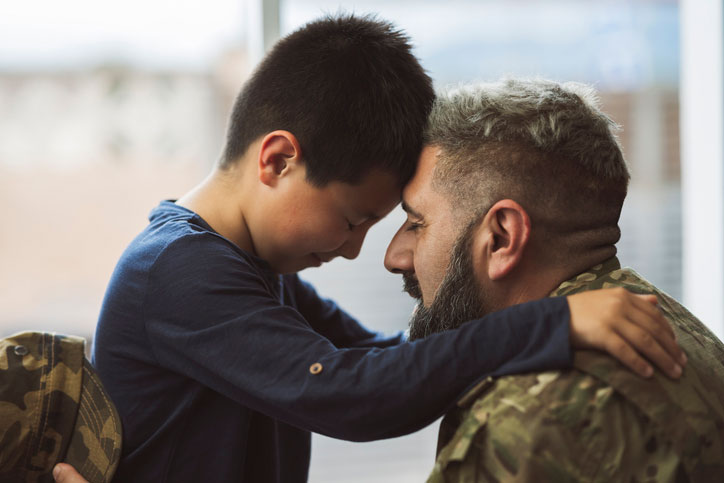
pixel 411 285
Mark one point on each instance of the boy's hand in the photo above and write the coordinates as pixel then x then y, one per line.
pixel 64 473
pixel 627 326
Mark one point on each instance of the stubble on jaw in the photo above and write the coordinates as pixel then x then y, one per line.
pixel 459 298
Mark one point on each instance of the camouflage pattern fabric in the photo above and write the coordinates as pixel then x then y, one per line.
pixel 53 408
pixel 598 422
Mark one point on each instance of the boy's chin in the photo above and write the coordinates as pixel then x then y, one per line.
pixel 297 265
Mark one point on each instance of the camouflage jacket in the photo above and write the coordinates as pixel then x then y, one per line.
pixel 597 422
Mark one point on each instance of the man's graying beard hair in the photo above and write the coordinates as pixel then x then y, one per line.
pixel 459 298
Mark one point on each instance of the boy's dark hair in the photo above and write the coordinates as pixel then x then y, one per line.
pixel 349 89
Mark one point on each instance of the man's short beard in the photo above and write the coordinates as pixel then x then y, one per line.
pixel 459 298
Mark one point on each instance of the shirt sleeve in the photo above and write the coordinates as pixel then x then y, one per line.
pixel 327 319
pixel 574 429
pixel 213 319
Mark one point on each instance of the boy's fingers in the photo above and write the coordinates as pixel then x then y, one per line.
pixel 647 345
pixel 632 329
pixel 649 297
pixel 649 305
pixel 622 351
pixel 663 337
pixel 653 321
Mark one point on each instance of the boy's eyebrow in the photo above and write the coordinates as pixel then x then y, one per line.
pixel 409 210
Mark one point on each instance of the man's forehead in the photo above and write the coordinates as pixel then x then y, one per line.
pixel 418 187
pixel 410 210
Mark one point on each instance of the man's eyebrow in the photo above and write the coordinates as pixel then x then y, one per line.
pixel 409 210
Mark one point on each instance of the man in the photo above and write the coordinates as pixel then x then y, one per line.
pixel 517 196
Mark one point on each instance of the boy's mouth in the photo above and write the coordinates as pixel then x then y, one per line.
pixel 322 259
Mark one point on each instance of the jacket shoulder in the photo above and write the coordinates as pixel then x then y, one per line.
pixel 526 428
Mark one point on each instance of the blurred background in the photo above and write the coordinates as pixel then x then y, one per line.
pixel 108 107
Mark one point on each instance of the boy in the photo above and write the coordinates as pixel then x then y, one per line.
pixel 219 359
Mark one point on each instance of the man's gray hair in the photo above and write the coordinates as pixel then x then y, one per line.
pixel 552 117
pixel 544 144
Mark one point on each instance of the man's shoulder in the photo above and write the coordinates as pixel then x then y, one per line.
pixel 703 378
pixel 567 413
pixel 609 274
pixel 517 420
pixel 525 400
pixel 595 419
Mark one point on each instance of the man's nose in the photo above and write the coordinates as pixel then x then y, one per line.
pixel 399 255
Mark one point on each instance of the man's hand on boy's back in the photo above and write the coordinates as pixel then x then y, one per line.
pixel 64 473
pixel 627 326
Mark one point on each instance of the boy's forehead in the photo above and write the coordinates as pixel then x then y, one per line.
pixel 375 196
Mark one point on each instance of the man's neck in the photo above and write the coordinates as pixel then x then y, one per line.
pixel 581 263
pixel 537 281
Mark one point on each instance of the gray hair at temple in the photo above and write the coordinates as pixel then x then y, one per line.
pixel 546 145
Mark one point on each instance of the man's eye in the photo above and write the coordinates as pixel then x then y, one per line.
pixel 412 226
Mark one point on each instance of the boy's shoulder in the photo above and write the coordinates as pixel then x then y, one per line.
pixel 169 222
pixel 178 239
pixel 179 258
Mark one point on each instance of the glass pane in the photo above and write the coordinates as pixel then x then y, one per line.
pixel 628 50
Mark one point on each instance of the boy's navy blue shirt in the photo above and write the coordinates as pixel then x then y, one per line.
pixel 207 354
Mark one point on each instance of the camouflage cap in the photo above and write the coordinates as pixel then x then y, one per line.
pixel 53 408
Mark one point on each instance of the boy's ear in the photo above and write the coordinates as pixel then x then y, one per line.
pixel 502 238
pixel 279 153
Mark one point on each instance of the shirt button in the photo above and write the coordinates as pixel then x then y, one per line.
pixel 20 350
pixel 315 368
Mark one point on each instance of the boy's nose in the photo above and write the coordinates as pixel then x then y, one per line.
pixel 351 248
pixel 399 255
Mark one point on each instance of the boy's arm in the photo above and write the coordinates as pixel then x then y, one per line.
pixel 326 318
pixel 216 321
pixel 629 327
pixel 273 362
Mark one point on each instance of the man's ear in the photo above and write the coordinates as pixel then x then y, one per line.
pixel 279 153
pixel 503 236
